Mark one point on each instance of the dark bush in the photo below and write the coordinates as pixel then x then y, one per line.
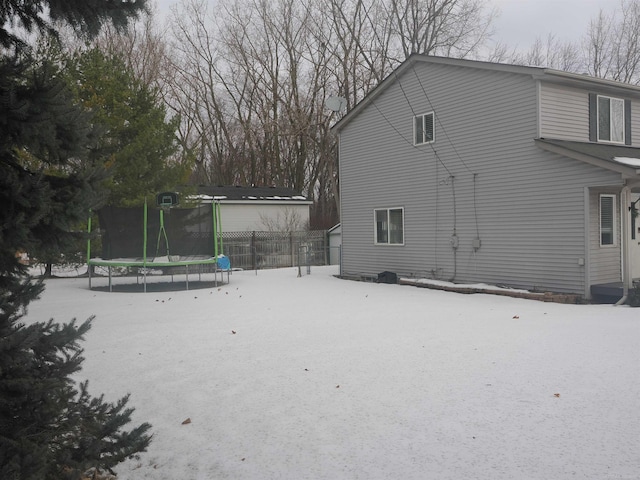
pixel 633 298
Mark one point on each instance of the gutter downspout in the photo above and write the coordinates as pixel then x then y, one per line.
pixel 625 201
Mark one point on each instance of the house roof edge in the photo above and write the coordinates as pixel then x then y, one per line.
pixel 541 73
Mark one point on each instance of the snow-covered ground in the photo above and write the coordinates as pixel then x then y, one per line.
pixel 320 378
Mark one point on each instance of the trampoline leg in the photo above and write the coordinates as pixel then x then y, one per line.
pixel 89 267
pixel 186 270
pixel 110 289
pixel 144 280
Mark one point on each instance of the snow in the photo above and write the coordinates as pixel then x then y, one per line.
pixel 632 162
pixel 334 379
pixel 162 259
pixel 480 286
pixel 209 198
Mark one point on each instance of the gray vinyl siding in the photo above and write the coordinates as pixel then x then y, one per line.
pixel 526 205
pixel 564 113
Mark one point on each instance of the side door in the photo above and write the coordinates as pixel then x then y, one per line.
pixel 635 238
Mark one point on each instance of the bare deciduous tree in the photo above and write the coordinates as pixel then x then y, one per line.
pixel 251 79
pixel 452 28
pixel 142 46
pixel 287 220
pixel 611 47
pixel 251 83
pixel 551 53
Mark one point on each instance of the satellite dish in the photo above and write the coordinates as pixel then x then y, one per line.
pixel 336 104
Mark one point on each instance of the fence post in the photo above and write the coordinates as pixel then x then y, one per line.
pixel 293 261
pixel 326 247
pixel 254 260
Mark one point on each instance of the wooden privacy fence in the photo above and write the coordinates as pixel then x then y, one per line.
pixel 261 250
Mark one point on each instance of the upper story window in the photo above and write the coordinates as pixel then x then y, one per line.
pixel 610 119
pixel 423 129
pixel 389 226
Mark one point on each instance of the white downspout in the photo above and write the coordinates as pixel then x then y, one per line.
pixel 625 215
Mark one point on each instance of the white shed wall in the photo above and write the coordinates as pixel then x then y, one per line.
pixel 250 216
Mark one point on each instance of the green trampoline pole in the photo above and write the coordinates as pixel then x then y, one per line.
pixel 220 229
pixel 89 238
pixel 89 249
pixel 144 248
pixel 144 234
pixel 215 229
pixel 161 233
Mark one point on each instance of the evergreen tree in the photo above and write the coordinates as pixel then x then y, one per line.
pixel 139 148
pixel 49 429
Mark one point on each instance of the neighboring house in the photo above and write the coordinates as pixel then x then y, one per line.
pixel 479 172
pixel 259 208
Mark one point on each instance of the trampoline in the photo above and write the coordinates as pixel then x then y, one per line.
pixel 165 240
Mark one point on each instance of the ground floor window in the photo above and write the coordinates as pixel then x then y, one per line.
pixel 389 228
pixel 607 219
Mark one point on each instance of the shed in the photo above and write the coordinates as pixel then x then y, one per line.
pixel 335 244
pixel 259 208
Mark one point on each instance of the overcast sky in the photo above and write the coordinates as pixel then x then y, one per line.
pixel 521 21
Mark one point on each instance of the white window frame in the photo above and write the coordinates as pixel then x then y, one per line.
pixel 387 225
pixel 423 138
pixel 621 120
pixel 614 223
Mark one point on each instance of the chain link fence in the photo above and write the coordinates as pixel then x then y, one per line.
pixel 262 250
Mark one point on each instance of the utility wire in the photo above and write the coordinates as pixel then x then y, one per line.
pixel 475 175
pixel 439 122
pixel 410 142
pixel 435 152
pixel 439 161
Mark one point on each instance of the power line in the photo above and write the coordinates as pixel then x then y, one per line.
pixel 438 119
pixel 410 142
pixel 475 175
pixel 435 152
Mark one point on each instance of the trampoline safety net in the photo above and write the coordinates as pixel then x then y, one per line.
pixel 184 232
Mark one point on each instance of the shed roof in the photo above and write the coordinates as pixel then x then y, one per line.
pixel 239 193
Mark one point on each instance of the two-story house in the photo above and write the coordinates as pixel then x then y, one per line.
pixel 470 171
